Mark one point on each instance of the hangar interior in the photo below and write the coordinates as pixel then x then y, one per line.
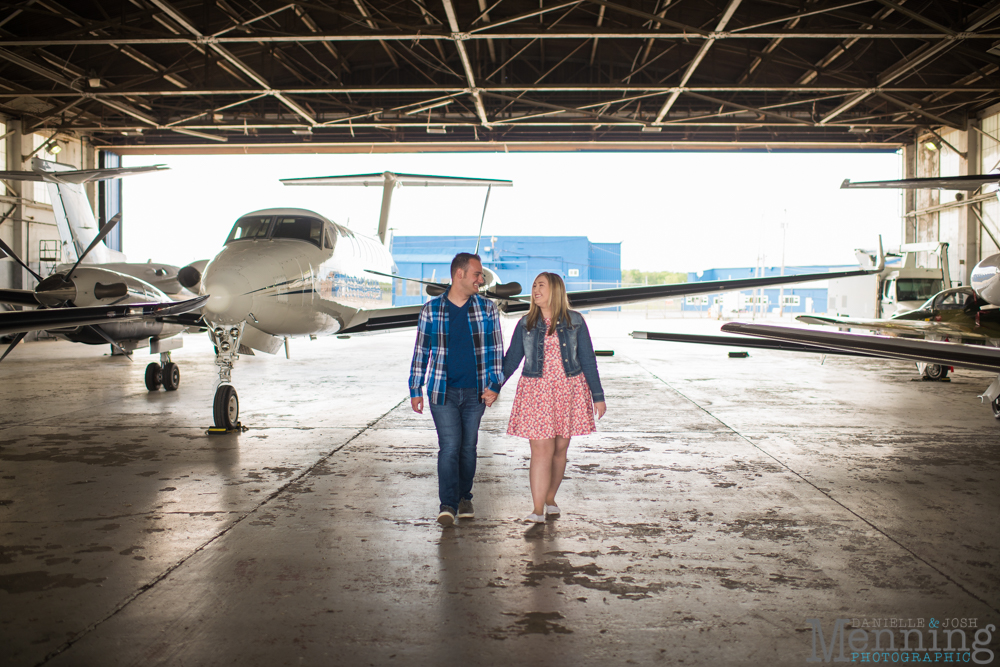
pixel 725 511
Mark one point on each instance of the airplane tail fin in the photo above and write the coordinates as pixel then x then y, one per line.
pixel 389 181
pixel 72 209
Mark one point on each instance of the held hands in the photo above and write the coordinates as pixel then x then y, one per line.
pixel 490 397
pixel 417 403
pixel 600 407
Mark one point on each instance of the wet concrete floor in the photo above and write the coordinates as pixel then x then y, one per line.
pixel 722 504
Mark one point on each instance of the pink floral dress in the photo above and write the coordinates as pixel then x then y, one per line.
pixel 552 405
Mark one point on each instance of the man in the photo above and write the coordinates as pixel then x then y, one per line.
pixel 459 349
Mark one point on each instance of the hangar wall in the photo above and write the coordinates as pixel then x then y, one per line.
pixel 969 224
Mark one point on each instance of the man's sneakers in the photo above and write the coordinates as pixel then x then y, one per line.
pixel 446 517
pixel 465 510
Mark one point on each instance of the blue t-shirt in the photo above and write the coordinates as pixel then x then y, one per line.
pixel 461 354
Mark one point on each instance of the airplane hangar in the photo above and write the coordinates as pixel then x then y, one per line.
pixel 729 510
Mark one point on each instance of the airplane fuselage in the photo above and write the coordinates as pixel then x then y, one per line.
pixel 301 275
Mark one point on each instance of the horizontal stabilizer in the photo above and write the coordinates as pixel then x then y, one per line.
pixel 408 180
pixel 942 183
pixel 78 176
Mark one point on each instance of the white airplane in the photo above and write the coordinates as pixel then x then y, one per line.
pixel 287 272
pixel 102 276
pixel 77 226
pixel 96 306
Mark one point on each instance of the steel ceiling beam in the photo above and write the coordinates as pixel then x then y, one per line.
pixel 472 36
pixel 181 20
pixel 470 77
pixel 702 52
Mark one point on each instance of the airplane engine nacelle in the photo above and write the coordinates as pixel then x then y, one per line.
pixel 190 275
pixel 505 290
pixel 86 287
pixel 985 279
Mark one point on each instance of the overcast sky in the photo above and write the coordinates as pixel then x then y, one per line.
pixel 671 211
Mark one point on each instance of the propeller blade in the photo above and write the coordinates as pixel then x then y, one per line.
pixel 17 339
pixel 96 328
pixel 13 255
pixel 97 239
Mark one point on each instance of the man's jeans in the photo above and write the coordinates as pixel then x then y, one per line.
pixel 457 423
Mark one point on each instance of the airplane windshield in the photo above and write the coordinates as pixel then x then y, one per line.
pixel 250 227
pixel 298 227
pixel 917 289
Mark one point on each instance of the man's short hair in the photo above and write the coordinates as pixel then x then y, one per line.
pixel 462 260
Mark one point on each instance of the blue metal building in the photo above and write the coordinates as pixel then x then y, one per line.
pixel 803 298
pixel 581 263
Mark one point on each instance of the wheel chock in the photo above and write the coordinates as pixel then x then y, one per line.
pixel 219 430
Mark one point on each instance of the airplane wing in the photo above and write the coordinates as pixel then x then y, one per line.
pixel 19 297
pixel 975 357
pixel 743 341
pixel 898 326
pixel 618 296
pixel 407 180
pixel 386 319
pixel 383 319
pixel 943 183
pixel 58 318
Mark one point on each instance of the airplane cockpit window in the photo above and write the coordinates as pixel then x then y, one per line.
pixel 250 227
pixel 298 227
pixel 328 239
pixel 956 300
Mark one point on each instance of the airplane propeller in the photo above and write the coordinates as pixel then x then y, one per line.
pixel 58 289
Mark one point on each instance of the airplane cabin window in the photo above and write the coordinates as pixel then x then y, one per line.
pixel 250 227
pixel 298 227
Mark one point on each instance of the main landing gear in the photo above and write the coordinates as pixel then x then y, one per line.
pixel 992 395
pixel 167 375
pixel 226 407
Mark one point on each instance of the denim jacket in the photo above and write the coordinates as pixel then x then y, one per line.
pixel 574 342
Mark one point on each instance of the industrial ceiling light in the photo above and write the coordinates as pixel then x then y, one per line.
pixel 306 132
pixel 437 130
pixel 931 145
pixel 94 82
pixel 651 128
pixel 54 149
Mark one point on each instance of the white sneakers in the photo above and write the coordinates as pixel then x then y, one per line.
pixel 534 518
pixel 551 510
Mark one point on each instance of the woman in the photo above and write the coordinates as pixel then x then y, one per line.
pixel 559 391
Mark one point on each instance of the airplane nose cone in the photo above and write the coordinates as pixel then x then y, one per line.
pixel 228 301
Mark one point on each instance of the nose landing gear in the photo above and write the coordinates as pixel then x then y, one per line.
pixel 226 407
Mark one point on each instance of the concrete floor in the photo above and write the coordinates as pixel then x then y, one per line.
pixel 722 504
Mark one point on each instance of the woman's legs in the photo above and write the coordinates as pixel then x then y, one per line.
pixel 540 471
pixel 558 469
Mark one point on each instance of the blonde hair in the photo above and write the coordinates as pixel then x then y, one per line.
pixel 558 303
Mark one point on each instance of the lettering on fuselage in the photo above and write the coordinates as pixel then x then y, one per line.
pixel 341 286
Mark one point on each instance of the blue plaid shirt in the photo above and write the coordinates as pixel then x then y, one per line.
pixel 430 353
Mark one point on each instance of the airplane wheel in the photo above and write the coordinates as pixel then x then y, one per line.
pixel 936 372
pixel 227 407
pixel 171 376
pixel 154 376
pixel 996 407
